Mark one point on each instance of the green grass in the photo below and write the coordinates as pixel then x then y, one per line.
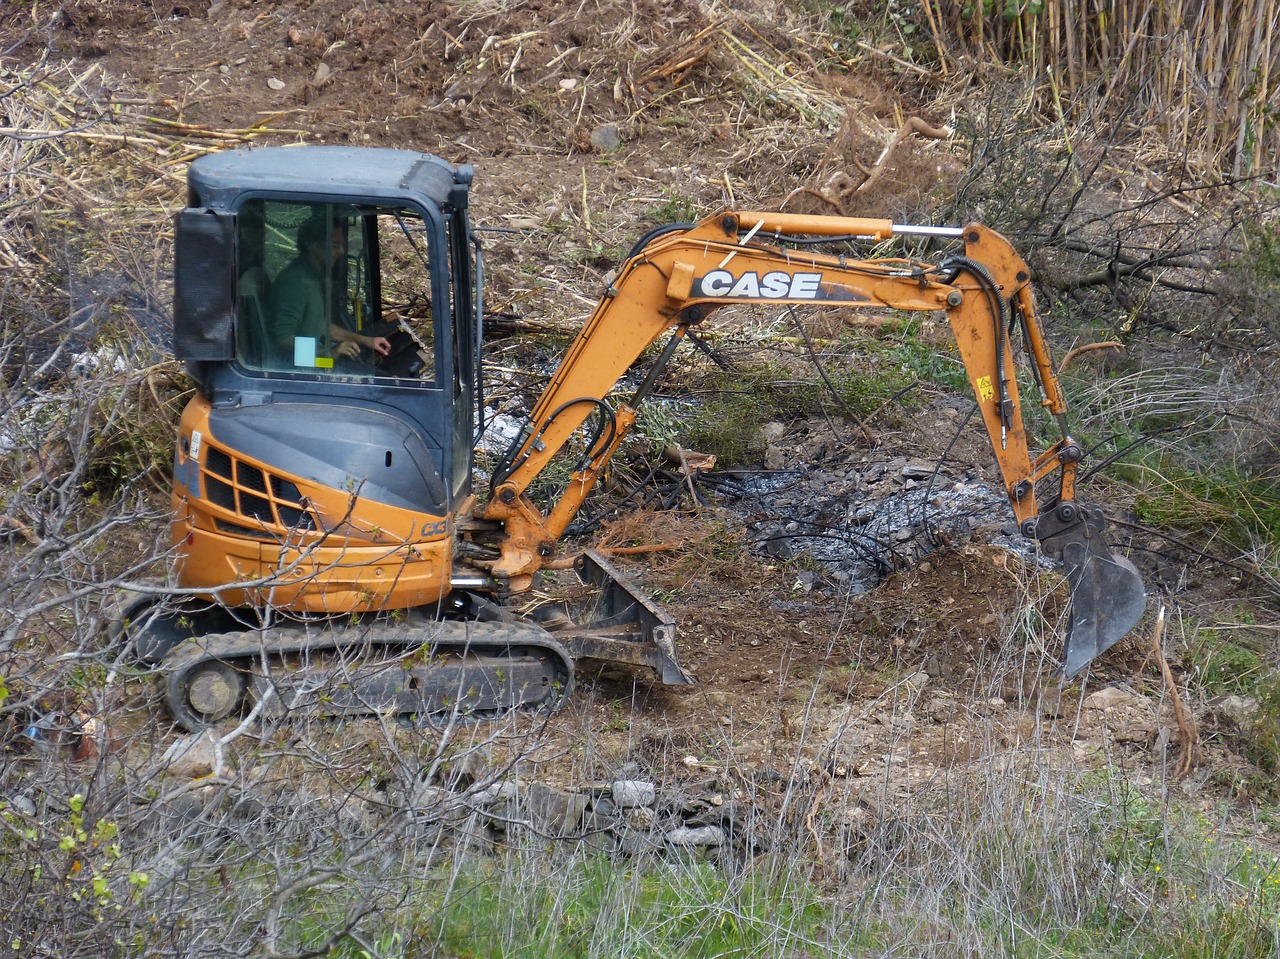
pixel 645 909
pixel 1226 663
pixel 933 365
pixel 1263 739
pixel 734 406
pixel 1029 863
pixel 1214 503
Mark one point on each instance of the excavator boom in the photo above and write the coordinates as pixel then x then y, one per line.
pixel 674 279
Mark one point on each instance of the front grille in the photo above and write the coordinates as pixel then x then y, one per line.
pixel 268 505
pixel 219 493
pixel 235 529
pixel 216 461
pixel 250 477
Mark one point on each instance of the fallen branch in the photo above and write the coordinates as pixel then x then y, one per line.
pixel 840 186
pixel 9 526
pixel 913 125
pixel 1078 351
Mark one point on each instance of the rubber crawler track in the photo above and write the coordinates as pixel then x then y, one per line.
pixel 433 672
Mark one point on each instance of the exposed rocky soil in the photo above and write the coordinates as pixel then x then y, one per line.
pixel 844 606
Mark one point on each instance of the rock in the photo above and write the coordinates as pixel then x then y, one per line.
pixel 466 771
pixel 1135 732
pixel 170 816
pixel 688 837
pixel 606 138
pixel 475 836
pixel 634 843
pixel 779 547
pixel 805 581
pixel 720 814
pixel 276 84
pixel 21 804
pixel 193 756
pixel 1112 697
pixel 917 471
pixel 1050 703
pixel 641 817
pixel 358 820
pixel 553 810
pixel 465 88
pixel 1085 752
pixel 504 791
pixel 597 821
pixel 771 432
pixel 629 793
pixel 435 804
pixel 1236 710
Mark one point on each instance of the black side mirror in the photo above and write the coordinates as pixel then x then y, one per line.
pixel 204 285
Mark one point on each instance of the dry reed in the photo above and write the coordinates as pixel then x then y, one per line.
pixel 1202 74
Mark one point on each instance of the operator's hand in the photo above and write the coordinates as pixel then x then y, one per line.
pixel 351 348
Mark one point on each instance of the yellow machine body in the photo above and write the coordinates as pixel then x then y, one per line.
pixel 324 551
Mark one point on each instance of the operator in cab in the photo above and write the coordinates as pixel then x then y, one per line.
pixel 303 325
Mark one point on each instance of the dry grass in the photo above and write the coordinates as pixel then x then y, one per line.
pixel 82 167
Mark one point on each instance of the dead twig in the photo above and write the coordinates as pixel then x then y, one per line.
pixel 1186 724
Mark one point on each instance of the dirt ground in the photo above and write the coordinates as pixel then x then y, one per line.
pixel 587 122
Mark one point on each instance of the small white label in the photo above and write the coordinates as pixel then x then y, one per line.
pixel 304 351
pixel 195 444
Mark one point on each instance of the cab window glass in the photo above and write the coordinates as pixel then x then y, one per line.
pixel 333 289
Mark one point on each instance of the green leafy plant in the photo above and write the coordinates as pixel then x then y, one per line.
pixel 1224 663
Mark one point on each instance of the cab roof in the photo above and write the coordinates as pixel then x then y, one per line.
pixel 217 180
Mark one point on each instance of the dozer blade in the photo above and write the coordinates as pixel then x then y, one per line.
pixel 626 626
pixel 1107 595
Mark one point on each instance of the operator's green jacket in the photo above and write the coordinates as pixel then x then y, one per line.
pixel 298 307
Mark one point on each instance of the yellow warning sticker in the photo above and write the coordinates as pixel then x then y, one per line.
pixel 985 390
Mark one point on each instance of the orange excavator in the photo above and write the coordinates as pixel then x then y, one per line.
pixel 332 552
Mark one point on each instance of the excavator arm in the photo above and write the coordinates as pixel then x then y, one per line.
pixel 676 276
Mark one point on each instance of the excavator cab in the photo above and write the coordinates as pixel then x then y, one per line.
pixel 327 307
pixel 318 264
